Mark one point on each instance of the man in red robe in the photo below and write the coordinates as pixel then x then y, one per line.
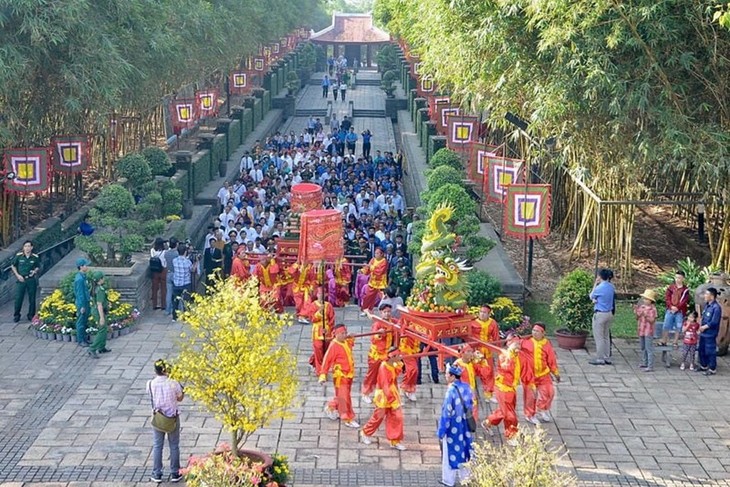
pixel 267 272
pixel 343 277
pixel 486 329
pixel 377 269
pixel 545 367
pixel 387 403
pixel 409 346
pixel 471 368
pixel 304 281
pixel 323 321
pixel 241 267
pixel 338 358
pixel 380 343
pixel 512 367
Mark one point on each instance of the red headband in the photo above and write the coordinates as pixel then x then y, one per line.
pixel 539 326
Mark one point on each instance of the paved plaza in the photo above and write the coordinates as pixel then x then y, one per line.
pixel 69 420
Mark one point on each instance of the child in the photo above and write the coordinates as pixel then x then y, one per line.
pixel 646 314
pixel 690 330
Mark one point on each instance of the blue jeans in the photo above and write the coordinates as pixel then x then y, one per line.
pixel 82 319
pixel 173 440
pixel 673 321
pixel 707 349
pixel 168 296
pixel 433 360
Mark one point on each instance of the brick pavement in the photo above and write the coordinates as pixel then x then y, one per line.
pixel 70 420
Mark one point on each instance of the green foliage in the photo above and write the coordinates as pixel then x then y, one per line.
pixel 444 174
pixel 506 313
pixel 483 288
pixel 457 196
pixel 66 285
pixel 419 229
pixel 307 61
pixel 153 228
pixel 91 246
pixel 477 247
pixel 135 168
pixel 571 305
pixel 293 83
pixel 446 157
pixel 158 161
pixel 114 201
pixel 172 202
pixel 387 59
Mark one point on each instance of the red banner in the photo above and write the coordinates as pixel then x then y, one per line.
pixel 527 211
pixel 321 238
pixel 184 113
pixel 462 130
pixel 29 167
pixel 71 153
pixel 207 103
pixel 238 82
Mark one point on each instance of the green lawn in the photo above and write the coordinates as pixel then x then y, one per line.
pixel 624 325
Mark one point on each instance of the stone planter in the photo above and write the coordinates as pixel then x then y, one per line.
pixel 115 334
pixel 58 337
pixel 46 336
pixel 571 341
pixel 66 338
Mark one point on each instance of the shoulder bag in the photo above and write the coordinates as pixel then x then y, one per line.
pixel 471 423
pixel 160 422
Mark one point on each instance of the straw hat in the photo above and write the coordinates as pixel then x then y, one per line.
pixel 649 294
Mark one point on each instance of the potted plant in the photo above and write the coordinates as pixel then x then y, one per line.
pixel 293 83
pixel 234 363
pixel 573 309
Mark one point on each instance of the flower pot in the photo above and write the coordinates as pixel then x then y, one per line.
pixel 568 340
pixel 66 338
pixel 37 333
pixel 58 337
pixel 46 336
pixel 73 338
pixel 115 334
pixel 257 457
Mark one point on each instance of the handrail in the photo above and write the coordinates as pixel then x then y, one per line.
pixel 42 252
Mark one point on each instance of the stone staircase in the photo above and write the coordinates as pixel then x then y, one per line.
pixel 310 112
pixel 366 113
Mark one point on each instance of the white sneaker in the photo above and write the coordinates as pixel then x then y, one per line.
pixel 366 399
pixel 532 419
pixel 352 424
pixel 411 396
pixel 331 413
pixel 302 321
pixel 493 400
pixel 363 314
pixel 544 416
pixel 398 446
pixel 512 442
pixel 365 439
pixel 488 428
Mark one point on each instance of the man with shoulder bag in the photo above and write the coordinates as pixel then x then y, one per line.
pixel 165 394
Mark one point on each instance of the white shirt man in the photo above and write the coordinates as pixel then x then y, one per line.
pixel 223 194
pixel 246 163
pixel 230 211
pixel 256 174
pixel 296 179
pixel 398 203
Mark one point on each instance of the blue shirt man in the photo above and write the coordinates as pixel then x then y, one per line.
pixel 603 295
pixel 81 298
pixel 710 326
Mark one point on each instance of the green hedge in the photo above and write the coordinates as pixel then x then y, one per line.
pixel 182 184
pixel 267 103
pixel 234 136
pixel 247 120
pixel 435 143
pixel 217 154
pixel 257 112
pixel 201 171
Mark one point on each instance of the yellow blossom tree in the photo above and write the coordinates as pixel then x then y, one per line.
pixel 232 360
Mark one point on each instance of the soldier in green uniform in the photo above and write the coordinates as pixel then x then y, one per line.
pixel 99 309
pixel 26 266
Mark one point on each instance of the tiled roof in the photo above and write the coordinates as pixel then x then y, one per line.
pixel 351 29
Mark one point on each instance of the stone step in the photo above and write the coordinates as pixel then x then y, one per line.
pixel 311 112
pixel 368 113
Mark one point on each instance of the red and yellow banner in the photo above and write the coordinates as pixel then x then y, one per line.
pixel 71 153
pixel 502 173
pixel 207 102
pixel 184 113
pixel 29 167
pixel 527 210
pixel 479 161
pixel 462 130
pixel 321 238
pixel 238 82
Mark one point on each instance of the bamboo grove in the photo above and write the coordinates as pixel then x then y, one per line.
pixel 636 94
pixel 67 66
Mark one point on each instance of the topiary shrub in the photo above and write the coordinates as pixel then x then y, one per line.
pixel 445 174
pixel 456 196
pixel 172 202
pixel 387 58
pixel 135 169
pixel 571 306
pixel 483 288
pixel 387 84
pixel 158 161
pixel 446 157
pixel 477 247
